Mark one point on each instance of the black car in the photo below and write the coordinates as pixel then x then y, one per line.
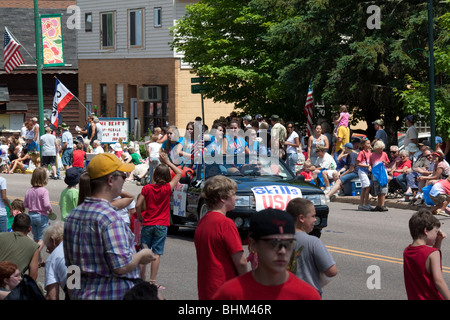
pixel 249 171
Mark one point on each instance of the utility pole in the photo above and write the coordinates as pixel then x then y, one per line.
pixel 37 29
pixel 431 72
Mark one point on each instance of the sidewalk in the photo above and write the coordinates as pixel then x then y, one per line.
pixel 390 203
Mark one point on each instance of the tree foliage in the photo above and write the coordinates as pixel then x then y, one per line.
pixel 262 54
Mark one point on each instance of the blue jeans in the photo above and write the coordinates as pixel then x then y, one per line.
pixel 3 223
pixel 291 160
pixel 38 224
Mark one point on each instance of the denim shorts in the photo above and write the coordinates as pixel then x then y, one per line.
pixel 154 237
pixel 38 224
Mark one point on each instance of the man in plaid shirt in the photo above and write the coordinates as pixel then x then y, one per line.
pixel 98 241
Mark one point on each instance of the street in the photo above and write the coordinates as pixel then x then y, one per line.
pixel 367 247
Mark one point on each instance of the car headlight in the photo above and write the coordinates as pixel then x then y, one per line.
pixel 316 199
pixel 242 201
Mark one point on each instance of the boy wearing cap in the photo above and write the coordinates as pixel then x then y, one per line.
pixel 98 241
pixel 311 261
pixel 220 256
pixel 272 239
pixel 69 196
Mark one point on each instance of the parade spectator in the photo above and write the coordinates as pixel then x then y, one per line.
pixel 441 170
pixel 68 199
pixel 394 157
pixel 48 151
pixel 411 135
pixel 325 168
pixel 311 261
pixel 315 140
pixel 92 134
pixel 341 133
pixel 220 256
pixel 4 204
pixel 37 201
pixel 66 146
pixel 413 150
pixel 306 172
pixel 363 164
pixel 9 278
pixel 18 248
pixel 350 170
pixel 35 129
pixel 156 217
pixel 422 260
pixel 291 143
pixel 278 136
pixel 271 238
pixel 403 166
pixel 98 241
pixel 99 127
pixel 55 267
pixel 440 195
pixel 419 167
pixel 97 147
pixel 380 133
pixel 143 291
pixel 438 144
pixel 79 157
pixel 379 158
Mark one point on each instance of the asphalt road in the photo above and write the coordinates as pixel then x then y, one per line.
pixel 367 247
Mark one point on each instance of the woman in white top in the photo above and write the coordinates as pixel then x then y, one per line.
pixel 315 140
pixel 291 143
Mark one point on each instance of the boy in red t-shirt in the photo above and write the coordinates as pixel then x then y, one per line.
pixel 220 256
pixel 156 217
pixel 272 239
pixel 422 260
pixel 78 157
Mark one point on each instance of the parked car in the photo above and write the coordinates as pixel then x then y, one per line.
pixel 421 137
pixel 188 207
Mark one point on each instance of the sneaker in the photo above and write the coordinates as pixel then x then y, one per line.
pixel 327 198
pixel 418 202
pixel 377 208
pixel 384 208
pixel 365 207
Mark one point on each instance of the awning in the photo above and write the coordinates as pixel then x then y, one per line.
pixel 16 106
pixel 4 94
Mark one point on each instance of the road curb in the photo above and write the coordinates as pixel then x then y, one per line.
pixel 390 203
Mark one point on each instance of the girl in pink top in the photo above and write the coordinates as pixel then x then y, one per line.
pixel 376 157
pixel 37 201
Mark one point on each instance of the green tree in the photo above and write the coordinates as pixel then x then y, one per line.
pixel 415 97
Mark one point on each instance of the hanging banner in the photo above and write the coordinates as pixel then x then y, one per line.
pixel 52 40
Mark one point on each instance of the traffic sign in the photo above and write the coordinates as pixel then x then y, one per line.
pixel 199 79
pixel 198 88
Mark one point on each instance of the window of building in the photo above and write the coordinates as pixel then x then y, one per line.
pixel 107 29
pixel 156 114
pixel 157 18
pixel 88 22
pixel 103 100
pixel 136 27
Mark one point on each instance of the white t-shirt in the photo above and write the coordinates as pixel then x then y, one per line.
pixel 2 204
pixel 291 139
pixel 327 162
pixel 154 149
pixel 55 267
pixel 411 133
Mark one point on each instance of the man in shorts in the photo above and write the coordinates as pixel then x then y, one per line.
pixel 66 147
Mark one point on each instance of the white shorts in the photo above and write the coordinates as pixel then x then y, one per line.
pixel 365 181
pixel 330 173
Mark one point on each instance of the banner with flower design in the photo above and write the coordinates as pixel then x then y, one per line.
pixel 52 40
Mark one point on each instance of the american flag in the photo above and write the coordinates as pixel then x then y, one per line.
pixel 12 56
pixel 309 110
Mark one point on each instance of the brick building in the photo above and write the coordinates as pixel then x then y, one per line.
pixel 127 68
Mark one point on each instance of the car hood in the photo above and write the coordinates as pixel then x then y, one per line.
pixel 244 184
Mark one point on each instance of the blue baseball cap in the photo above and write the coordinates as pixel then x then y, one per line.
pixel 348 145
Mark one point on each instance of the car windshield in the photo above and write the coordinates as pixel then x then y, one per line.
pixel 247 166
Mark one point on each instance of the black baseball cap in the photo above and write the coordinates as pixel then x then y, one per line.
pixel 271 221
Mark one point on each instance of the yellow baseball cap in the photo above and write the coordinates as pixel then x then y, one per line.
pixel 106 163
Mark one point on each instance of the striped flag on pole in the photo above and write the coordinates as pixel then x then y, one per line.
pixel 11 54
pixel 309 110
pixel 60 100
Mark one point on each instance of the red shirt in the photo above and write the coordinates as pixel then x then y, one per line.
pixel 245 287
pixel 401 165
pixel 78 158
pixel 418 282
pixel 216 239
pixel 157 204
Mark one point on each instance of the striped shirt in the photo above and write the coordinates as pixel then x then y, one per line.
pixel 97 240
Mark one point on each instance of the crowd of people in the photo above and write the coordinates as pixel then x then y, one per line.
pixel 112 235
